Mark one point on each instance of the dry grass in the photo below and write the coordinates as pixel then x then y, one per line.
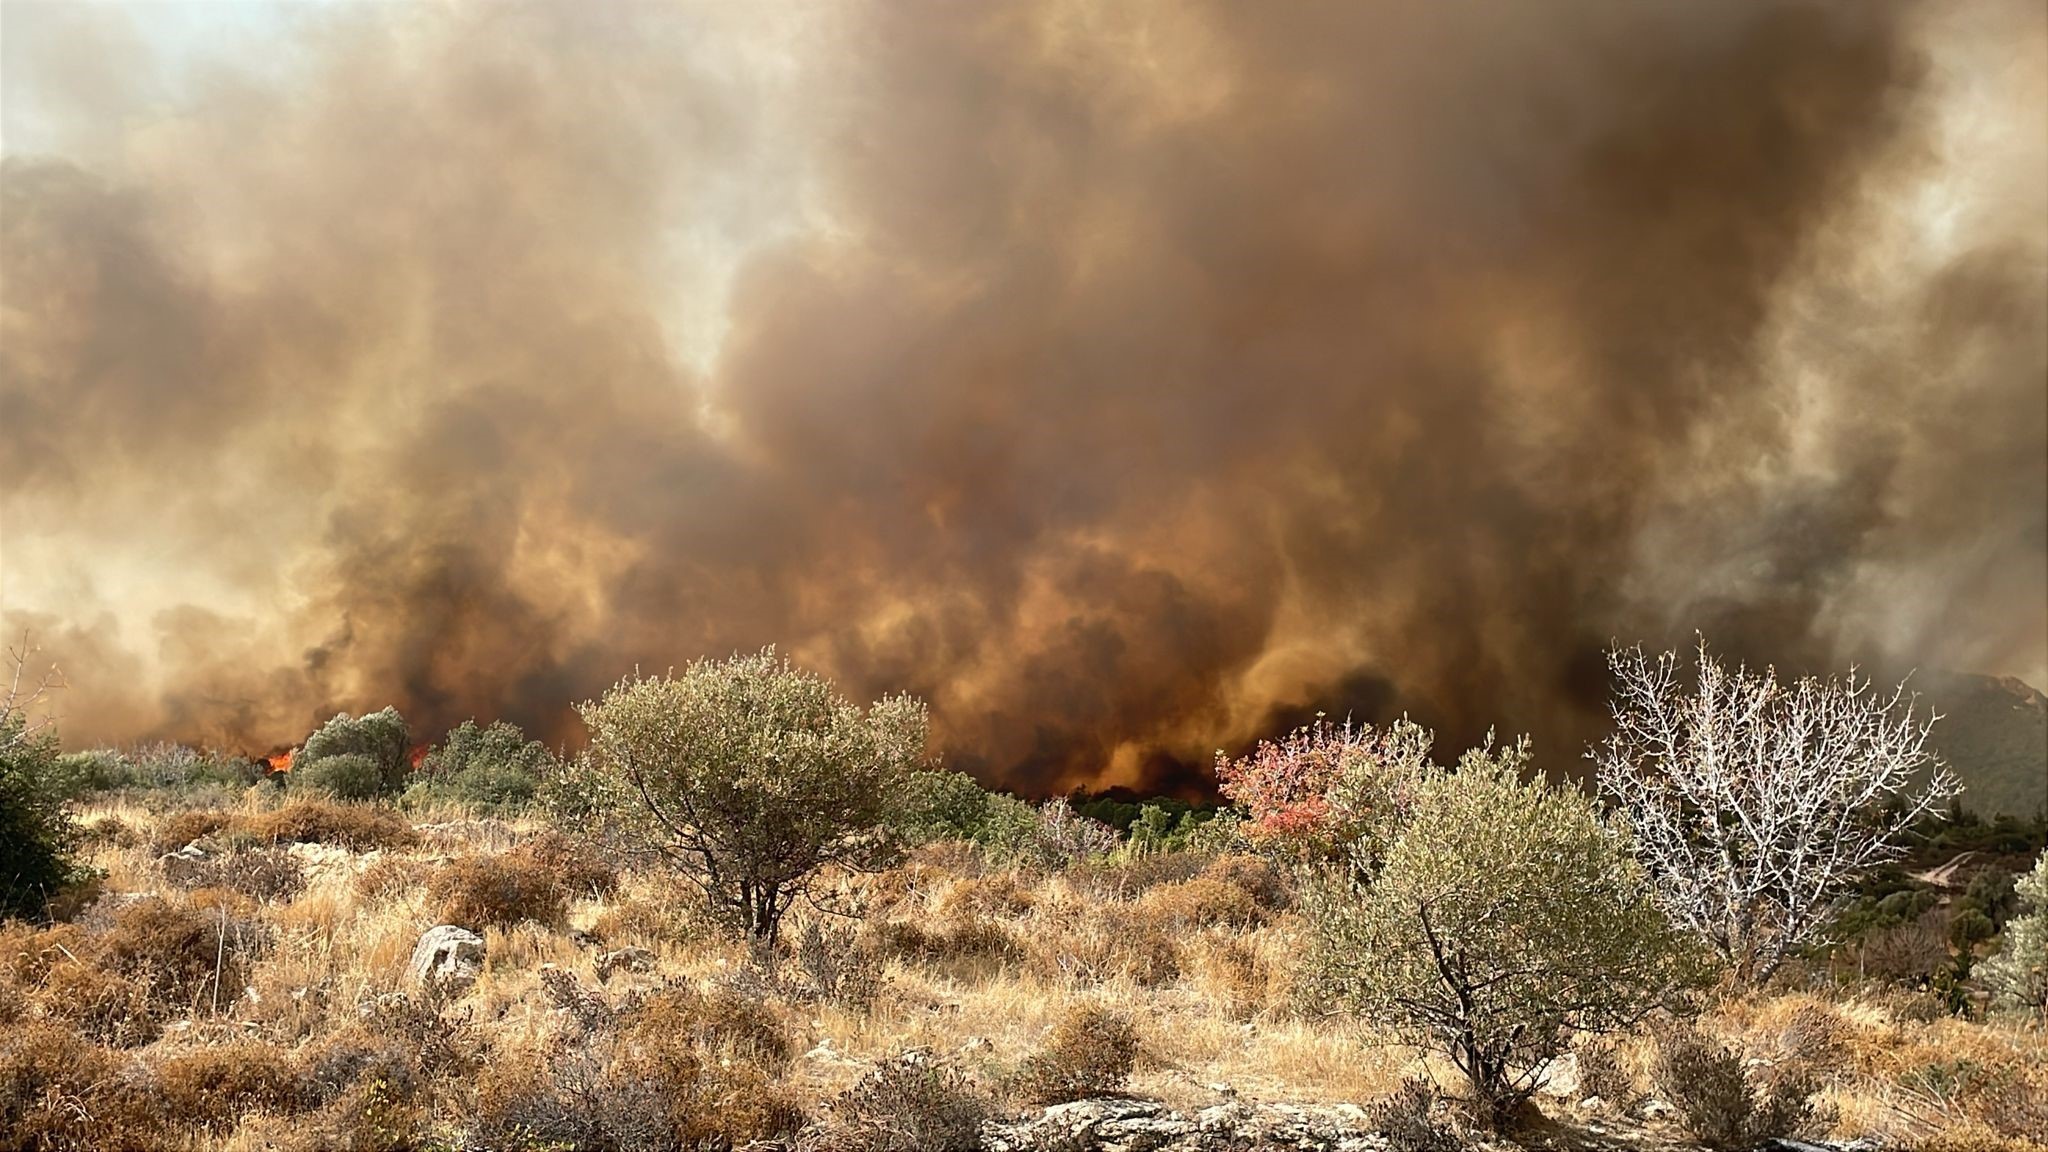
pixel 109 1036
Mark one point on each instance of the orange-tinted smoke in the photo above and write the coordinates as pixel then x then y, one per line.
pixel 1128 380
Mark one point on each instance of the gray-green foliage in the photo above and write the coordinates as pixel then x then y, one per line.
pixel 939 805
pixel 344 775
pixel 2018 974
pixel 1009 828
pixel 748 773
pixel 379 738
pixel 1503 917
pixel 494 766
pixel 153 766
pixel 37 836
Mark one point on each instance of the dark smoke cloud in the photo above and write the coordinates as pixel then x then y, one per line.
pixel 1127 381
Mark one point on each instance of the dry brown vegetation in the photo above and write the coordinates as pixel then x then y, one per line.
pixel 255 998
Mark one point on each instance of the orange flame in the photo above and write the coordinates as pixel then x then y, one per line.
pixel 418 753
pixel 281 764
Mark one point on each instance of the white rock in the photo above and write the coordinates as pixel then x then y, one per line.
pixel 447 955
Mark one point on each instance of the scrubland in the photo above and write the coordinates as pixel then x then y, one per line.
pixel 236 978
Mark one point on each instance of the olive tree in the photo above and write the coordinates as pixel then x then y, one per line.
pixel 749 774
pixel 1757 804
pixel 1501 918
pixel 356 757
pixel 2017 974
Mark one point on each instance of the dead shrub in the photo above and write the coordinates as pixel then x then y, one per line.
pixel 47 1073
pixel 190 955
pixel 1002 894
pixel 974 941
pixel 437 1042
pixel 1133 876
pixel 270 875
pixel 369 1117
pixel 109 1009
pixel 719 1019
pixel 27 953
pixel 909 1103
pixel 1204 902
pixel 679 1072
pixel 660 911
pixel 1604 1073
pixel 1267 885
pixel 1090 1052
pixel 1233 972
pixel 210 1089
pixel 359 827
pixel 833 964
pixel 1814 1039
pixel 1907 952
pixel 356 1058
pixel 1107 947
pixel 479 892
pixel 174 830
pixel 1413 1118
pixel 1718 1101
pixel 388 877
pixel 112 831
pixel 575 866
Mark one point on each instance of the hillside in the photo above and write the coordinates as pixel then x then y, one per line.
pixel 1994 731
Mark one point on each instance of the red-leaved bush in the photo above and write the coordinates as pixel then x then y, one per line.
pixel 1323 786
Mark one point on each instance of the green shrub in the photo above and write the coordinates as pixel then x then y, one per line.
pixel 37 835
pixel 755 774
pixel 157 767
pixel 1503 918
pixel 936 805
pixel 1009 827
pixel 79 774
pixel 346 776
pixel 493 767
pixel 379 737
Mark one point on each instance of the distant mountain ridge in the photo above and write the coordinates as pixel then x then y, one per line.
pixel 1994 732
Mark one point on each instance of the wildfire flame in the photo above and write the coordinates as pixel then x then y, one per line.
pixel 280 764
pixel 418 753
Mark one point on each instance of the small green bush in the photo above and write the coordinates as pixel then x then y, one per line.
pixel 494 767
pixel 936 805
pixel 346 776
pixel 37 836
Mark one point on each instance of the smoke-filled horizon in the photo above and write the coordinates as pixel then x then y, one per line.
pixel 1128 381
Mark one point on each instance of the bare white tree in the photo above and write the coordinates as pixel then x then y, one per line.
pixel 1756 804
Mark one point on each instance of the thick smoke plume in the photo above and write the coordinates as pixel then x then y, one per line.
pixel 1127 380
